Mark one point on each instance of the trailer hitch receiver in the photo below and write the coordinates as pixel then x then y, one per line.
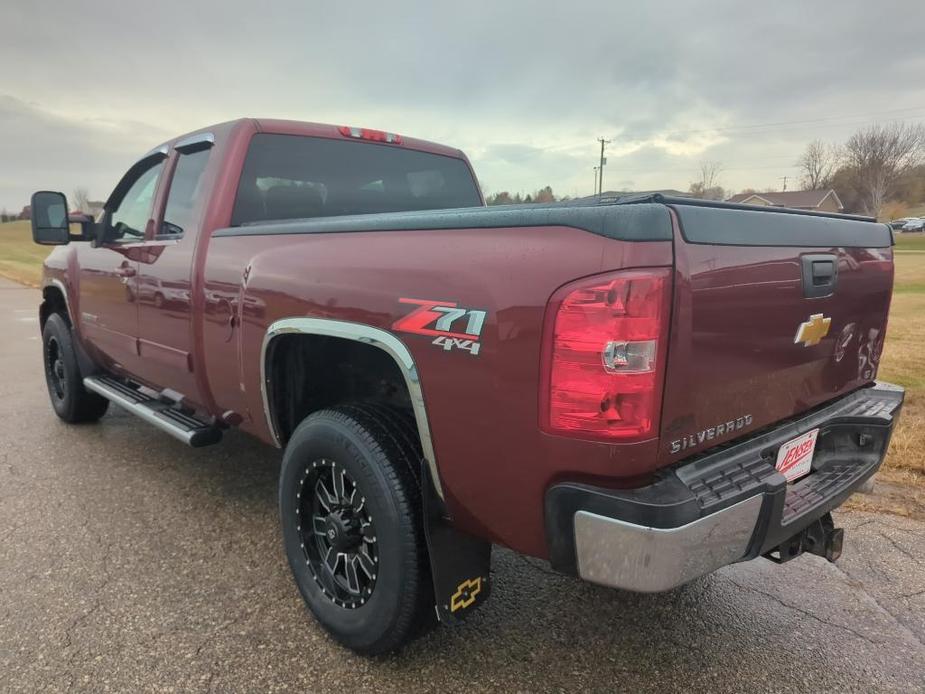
pixel 820 537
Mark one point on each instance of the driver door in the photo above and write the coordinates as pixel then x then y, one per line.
pixel 109 289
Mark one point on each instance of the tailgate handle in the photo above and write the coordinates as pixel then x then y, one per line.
pixel 820 274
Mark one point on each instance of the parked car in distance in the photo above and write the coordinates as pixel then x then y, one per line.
pixel 639 390
pixel 914 225
pixel 897 224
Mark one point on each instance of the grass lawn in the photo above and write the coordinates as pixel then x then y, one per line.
pixel 20 259
pixel 903 358
pixel 910 242
pixel 903 362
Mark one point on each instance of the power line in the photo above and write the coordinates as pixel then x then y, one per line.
pixel 773 124
pixel 600 175
pixel 689 168
pixel 737 167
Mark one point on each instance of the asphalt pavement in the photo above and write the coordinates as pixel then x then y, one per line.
pixel 129 562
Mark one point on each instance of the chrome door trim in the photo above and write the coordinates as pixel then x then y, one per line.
pixel 367 335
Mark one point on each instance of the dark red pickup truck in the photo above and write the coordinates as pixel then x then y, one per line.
pixel 640 391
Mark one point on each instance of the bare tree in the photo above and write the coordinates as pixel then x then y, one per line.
pixel 879 155
pixel 707 186
pixel 818 164
pixel 82 200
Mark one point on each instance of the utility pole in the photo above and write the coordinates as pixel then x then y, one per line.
pixel 595 182
pixel 600 178
pixel 784 179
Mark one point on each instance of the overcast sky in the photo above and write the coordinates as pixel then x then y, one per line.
pixel 524 88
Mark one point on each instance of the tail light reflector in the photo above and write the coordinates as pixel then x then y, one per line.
pixel 604 360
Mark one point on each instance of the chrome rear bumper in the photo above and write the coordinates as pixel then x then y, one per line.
pixel 644 559
pixel 722 506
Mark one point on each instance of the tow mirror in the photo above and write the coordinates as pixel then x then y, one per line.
pixel 49 218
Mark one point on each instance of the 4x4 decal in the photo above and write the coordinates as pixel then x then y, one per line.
pixel 453 327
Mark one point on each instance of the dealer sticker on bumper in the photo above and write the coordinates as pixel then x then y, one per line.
pixel 795 458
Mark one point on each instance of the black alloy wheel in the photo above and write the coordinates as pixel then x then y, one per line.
pixel 352 522
pixel 55 372
pixel 338 535
pixel 71 401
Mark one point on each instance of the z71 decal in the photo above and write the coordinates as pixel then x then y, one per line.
pixel 452 327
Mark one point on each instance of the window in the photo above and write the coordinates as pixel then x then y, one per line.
pixel 184 193
pixel 294 177
pixel 131 215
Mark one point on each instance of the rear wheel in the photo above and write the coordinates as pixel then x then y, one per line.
pixel 71 401
pixel 352 526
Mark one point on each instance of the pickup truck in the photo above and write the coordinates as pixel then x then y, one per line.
pixel 639 391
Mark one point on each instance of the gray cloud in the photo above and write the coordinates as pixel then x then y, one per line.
pixel 524 88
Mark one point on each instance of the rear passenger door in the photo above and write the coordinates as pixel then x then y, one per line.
pixel 166 273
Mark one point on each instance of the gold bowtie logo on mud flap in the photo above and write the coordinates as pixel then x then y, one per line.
pixel 465 594
pixel 812 331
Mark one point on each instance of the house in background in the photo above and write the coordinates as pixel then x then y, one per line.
pixel 94 208
pixel 816 200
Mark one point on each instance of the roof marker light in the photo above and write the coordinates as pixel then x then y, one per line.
pixel 372 135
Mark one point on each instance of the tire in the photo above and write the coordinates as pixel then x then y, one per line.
pixel 71 401
pixel 375 521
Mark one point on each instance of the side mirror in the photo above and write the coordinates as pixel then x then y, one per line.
pixel 49 218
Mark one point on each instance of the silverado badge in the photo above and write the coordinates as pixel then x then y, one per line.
pixel 811 332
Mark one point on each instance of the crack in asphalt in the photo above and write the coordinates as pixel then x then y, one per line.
pixel 900 548
pixel 803 611
pixel 862 587
pixel 96 606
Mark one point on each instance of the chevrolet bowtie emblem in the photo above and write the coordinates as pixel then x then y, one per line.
pixel 812 331
pixel 466 593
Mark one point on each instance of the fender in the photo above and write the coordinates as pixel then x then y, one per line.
pixel 459 562
pixel 59 285
pixel 84 362
pixel 369 335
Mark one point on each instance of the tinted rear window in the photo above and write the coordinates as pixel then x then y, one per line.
pixel 294 177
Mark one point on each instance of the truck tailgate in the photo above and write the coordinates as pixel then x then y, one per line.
pixel 774 314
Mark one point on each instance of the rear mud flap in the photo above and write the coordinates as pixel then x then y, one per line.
pixel 459 562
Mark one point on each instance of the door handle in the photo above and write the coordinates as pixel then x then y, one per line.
pixel 125 271
pixel 820 274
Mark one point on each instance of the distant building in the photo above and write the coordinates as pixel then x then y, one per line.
pixel 94 208
pixel 816 200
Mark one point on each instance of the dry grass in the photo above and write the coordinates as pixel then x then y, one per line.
pixel 904 361
pixel 20 259
pixel 909 242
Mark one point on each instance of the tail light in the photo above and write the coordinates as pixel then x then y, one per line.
pixel 604 359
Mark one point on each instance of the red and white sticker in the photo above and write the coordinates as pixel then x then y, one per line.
pixel 443 320
pixel 795 458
